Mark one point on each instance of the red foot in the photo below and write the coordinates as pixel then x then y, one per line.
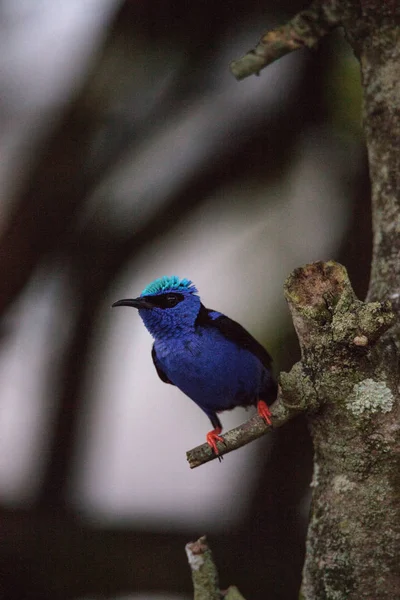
pixel 213 437
pixel 264 411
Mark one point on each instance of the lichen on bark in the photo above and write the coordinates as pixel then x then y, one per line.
pixel 355 434
pixel 353 542
pixel 205 574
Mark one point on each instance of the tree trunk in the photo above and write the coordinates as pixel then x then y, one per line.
pixel 348 377
pixel 353 544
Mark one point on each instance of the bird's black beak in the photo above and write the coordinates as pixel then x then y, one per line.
pixel 135 302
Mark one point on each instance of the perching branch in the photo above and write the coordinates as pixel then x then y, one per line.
pixel 297 388
pixel 327 316
pixel 304 30
pixel 205 574
pixel 240 436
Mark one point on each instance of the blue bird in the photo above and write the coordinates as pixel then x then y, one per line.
pixel 211 358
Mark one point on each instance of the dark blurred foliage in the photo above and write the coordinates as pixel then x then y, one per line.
pixel 46 551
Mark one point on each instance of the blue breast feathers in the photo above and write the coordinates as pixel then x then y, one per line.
pixel 215 372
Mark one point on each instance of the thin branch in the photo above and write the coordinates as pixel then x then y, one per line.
pixel 232 593
pixel 304 30
pixel 205 574
pixel 254 428
pixel 204 571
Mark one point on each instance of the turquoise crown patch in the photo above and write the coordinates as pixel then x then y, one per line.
pixel 169 284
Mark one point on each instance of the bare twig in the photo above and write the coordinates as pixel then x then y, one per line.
pixel 281 411
pixel 232 593
pixel 205 574
pixel 204 571
pixel 304 30
pixel 233 439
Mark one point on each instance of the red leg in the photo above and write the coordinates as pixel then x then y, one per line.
pixel 263 411
pixel 213 437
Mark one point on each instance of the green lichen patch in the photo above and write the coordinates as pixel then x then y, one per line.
pixel 342 484
pixel 361 324
pixel 370 397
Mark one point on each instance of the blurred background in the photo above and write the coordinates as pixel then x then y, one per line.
pixel 128 151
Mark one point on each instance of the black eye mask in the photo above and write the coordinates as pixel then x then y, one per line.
pixel 168 300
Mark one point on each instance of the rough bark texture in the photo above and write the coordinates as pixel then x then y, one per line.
pixel 204 571
pixel 354 535
pixel 350 349
pixel 205 574
pixel 353 538
pixel 379 53
pixel 303 31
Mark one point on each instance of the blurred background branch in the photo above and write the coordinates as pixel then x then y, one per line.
pixel 204 571
pixel 305 30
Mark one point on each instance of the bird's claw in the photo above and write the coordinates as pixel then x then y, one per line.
pixel 212 438
pixel 264 412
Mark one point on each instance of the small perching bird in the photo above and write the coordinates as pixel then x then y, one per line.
pixel 211 358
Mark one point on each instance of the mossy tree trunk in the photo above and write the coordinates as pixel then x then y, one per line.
pixel 348 377
pixel 352 364
pixel 353 545
pixel 350 369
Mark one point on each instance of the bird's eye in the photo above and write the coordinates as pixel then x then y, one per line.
pixel 167 300
pixel 171 300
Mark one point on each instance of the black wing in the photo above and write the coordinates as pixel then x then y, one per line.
pixel 234 332
pixel 159 370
